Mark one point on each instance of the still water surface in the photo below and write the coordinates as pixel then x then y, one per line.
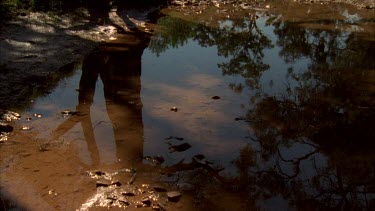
pixel 277 113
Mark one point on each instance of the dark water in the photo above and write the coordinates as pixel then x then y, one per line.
pixel 256 111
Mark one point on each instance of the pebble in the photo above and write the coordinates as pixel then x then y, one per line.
pixel 38 115
pixel 180 148
pixel 159 189
pixel 174 196
pixel 128 193
pixel 156 207
pixel 5 128
pixel 103 183
pixel 9 116
pixel 25 128
pixel 175 109
pixel 146 201
pixel 123 200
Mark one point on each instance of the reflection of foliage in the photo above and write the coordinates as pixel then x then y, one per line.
pixel 176 33
pixel 240 40
pixel 313 146
pixel 330 113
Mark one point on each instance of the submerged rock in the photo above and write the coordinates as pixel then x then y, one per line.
pixel 175 109
pixel 179 148
pixel 157 207
pixel 106 183
pixel 155 160
pixel 122 200
pixel 174 196
pixel 146 201
pixel 103 183
pixel 3 137
pixel 159 189
pixel 9 115
pixel 5 128
pixel 128 193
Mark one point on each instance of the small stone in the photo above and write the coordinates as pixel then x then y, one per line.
pixel 128 193
pixel 28 118
pixel 123 200
pixel 99 173
pixel 117 183
pixel 3 138
pixel 111 197
pixel 159 189
pixel 157 160
pixel 180 148
pixel 25 128
pixel 103 183
pixel 67 112
pixel 239 118
pixel 174 196
pixel 156 207
pixel 9 116
pixel 38 115
pixel 146 201
pixel 215 97
pixel 185 186
pixel 5 128
pixel 175 109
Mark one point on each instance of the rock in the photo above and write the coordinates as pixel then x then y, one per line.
pixel 25 128
pixel 68 112
pixel 156 207
pixel 179 148
pixel 117 183
pixel 3 138
pixel 103 183
pixel 185 186
pixel 174 196
pixel 123 200
pixel 112 196
pixel 157 160
pixel 215 97
pixel 128 193
pixel 174 137
pixel 179 138
pixel 9 115
pixel 5 128
pixel 146 201
pixel 99 173
pixel 175 109
pixel 159 189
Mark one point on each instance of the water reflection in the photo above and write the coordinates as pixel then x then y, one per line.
pixel 311 143
pixel 293 131
pixel 119 68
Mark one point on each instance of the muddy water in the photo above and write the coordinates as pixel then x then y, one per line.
pixel 242 110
